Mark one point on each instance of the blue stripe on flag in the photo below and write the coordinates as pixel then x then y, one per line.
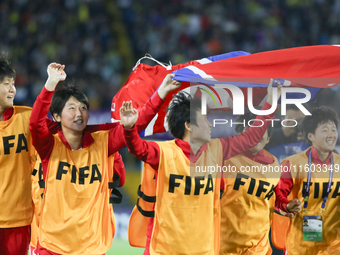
pixel 231 54
pixel 142 134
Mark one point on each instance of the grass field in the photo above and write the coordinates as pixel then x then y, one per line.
pixel 122 247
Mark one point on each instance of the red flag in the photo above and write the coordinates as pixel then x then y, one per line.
pixel 311 66
pixel 144 81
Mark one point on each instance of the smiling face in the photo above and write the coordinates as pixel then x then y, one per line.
pixel 325 137
pixel 74 116
pixel 7 93
pixel 201 133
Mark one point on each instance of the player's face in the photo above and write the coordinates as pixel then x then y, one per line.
pixel 74 116
pixel 7 93
pixel 325 137
pixel 202 132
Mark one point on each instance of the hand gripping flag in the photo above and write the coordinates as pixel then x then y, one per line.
pixel 145 80
pixel 312 67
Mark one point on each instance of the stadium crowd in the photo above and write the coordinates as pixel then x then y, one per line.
pixel 35 33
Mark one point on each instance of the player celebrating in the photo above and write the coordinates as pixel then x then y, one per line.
pixel 248 198
pixel 16 159
pixel 77 169
pixel 313 178
pixel 38 186
pixel 187 208
pixel 18 155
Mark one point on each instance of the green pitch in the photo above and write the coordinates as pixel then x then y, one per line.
pixel 122 247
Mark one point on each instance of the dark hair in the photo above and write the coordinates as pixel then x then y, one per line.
pixel 245 118
pixel 183 108
pixel 6 69
pixel 320 115
pixel 61 96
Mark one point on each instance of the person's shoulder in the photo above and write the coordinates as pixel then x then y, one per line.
pixel 167 144
pixel 302 154
pixel 336 156
pixel 269 155
pixel 22 109
pixel 171 147
pixel 97 133
pixel 216 141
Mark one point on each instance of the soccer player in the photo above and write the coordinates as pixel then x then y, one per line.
pixel 38 185
pixel 309 178
pixel 76 217
pixel 248 199
pixel 187 208
pixel 16 155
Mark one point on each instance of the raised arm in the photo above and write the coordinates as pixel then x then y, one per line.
pixel 146 114
pixel 148 152
pixel 234 145
pixel 152 106
pixel 41 136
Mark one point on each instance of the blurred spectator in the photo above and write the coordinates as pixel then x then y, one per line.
pixel 193 29
pixel 73 32
pixel 81 35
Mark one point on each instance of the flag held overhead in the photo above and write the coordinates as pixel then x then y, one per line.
pixel 311 67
